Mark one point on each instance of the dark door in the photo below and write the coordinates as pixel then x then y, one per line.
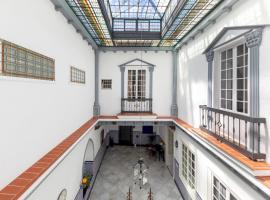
pixel 125 135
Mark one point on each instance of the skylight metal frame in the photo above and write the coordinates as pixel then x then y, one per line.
pixel 98 17
pixel 140 9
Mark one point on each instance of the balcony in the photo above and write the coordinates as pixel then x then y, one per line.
pixel 244 133
pixel 136 105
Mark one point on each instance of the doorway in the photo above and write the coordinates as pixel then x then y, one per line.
pixel 125 135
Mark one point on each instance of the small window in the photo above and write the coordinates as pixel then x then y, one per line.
pixel 21 62
pixel 106 84
pixel 220 191
pixel 188 166
pixel 77 75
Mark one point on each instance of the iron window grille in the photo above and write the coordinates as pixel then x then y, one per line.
pixel 106 84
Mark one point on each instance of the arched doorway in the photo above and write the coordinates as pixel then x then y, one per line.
pixel 89 151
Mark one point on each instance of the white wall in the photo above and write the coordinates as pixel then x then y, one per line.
pixel 36 115
pixel 110 100
pixel 206 167
pixel 68 173
pixel 192 86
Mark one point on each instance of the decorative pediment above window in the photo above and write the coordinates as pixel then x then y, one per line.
pixel 252 35
pixel 136 62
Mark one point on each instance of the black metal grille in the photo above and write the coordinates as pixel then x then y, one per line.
pixel 136 105
pixel 244 133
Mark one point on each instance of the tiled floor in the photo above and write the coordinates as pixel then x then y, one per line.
pixel 115 177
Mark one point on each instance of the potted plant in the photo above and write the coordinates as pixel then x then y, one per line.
pixel 85 183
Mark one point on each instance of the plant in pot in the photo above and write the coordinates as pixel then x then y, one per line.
pixel 85 183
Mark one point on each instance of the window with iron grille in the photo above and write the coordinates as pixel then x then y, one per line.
pixel 21 62
pixel 188 166
pixel 77 75
pixel 106 84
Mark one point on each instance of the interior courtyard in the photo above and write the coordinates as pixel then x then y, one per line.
pixel 134 100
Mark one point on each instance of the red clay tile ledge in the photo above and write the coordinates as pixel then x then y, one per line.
pixel 24 181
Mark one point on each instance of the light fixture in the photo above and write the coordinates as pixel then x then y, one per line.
pixel 141 174
pixel 140 170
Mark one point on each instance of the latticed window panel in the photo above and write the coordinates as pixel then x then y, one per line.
pixel 220 191
pixel 242 79
pixel 21 62
pixel 188 166
pixel 77 75
pixel 226 100
pixel 106 84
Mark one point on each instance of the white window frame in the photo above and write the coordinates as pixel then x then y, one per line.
pixel 136 84
pixel 187 180
pixel 228 190
pixel 234 44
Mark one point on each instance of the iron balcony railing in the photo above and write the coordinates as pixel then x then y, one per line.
pixel 136 105
pixel 243 133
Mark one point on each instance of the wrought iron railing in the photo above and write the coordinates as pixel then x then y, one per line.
pixel 136 105
pixel 244 133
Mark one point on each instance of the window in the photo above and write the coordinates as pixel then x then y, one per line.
pixel 220 192
pixel 188 166
pixel 22 62
pixel 136 84
pixel 106 84
pixel 77 75
pixel 242 79
pixel 234 79
pixel 226 79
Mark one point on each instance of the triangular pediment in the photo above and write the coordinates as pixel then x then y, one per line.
pixel 136 62
pixel 229 34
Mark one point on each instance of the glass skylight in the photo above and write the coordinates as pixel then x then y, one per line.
pixel 171 19
pixel 138 9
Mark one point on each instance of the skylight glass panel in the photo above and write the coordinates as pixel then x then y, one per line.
pixel 139 9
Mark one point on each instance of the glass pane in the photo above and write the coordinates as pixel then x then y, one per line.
pixel 229 64
pixel 240 50
pixel 240 61
pixel 229 84
pixel 240 84
pixel 229 94
pixel 229 74
pixel 223 75
pixel 223 103
pixel 240 95
pixel 223 94
pixel 240 107
pixel 232 197
pixel 223 55
pixel 229 53
pixel 229 105
pixel 240 72
pixel 223 84
pixel 223 65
